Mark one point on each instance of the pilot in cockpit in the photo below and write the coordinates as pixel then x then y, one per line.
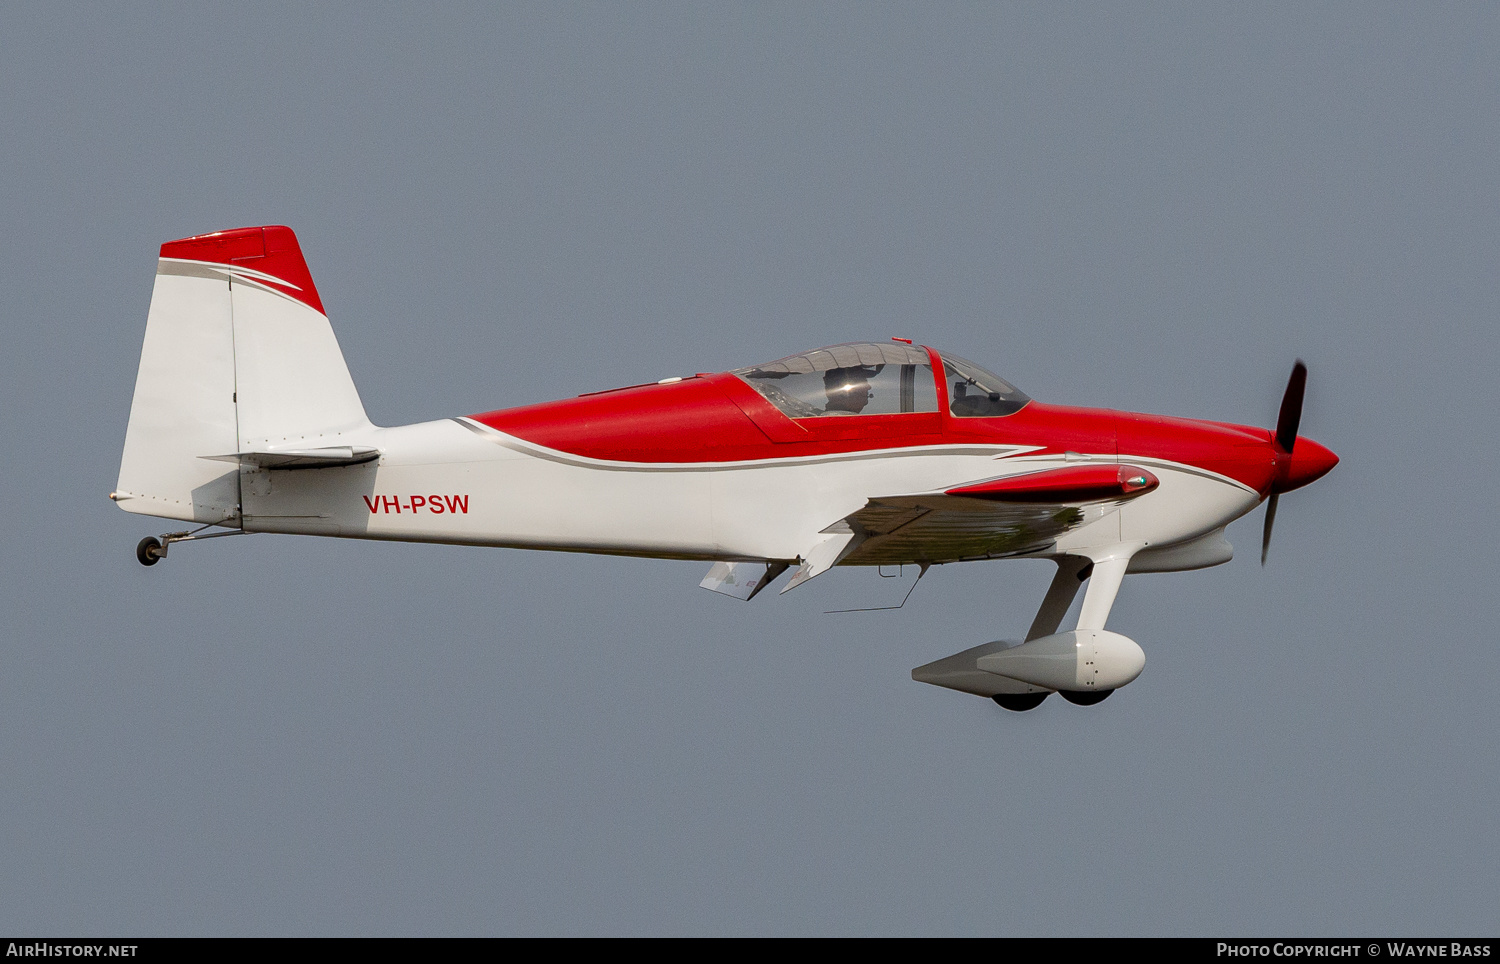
pixel 848 389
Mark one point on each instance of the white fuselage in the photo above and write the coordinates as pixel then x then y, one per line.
pixel 457 481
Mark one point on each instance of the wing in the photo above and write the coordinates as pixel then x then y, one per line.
pixel 1013 515
pixel 992 518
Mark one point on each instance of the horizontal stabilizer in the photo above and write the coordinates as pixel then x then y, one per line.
pixel 319 458
pixel 742 580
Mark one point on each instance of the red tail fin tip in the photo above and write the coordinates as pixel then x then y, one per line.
pixel 268 250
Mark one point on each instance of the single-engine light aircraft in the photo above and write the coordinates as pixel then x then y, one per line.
pixel 245 419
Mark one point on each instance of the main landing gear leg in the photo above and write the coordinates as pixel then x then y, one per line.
pixel 151 550
pixel 1071 573
pixel 1104 584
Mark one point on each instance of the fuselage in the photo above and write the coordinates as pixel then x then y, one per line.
pixel 706 468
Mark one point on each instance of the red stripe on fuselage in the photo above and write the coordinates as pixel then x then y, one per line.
pixel 719 418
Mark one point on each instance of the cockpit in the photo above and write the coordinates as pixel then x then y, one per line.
pixel 880 379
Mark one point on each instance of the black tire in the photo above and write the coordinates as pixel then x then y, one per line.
pixel 1085 697
pixel 148 551
pixel 1020 702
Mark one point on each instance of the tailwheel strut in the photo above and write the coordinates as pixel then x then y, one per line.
pixel 152 549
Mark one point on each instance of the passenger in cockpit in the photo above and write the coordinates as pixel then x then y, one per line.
pixel 848 389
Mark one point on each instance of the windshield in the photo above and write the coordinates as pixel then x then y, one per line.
pixel 855 379
pixel 974 392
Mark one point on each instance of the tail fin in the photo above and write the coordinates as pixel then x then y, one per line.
pixel 238 357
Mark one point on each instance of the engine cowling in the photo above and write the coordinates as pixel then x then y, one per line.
pixel 1083 660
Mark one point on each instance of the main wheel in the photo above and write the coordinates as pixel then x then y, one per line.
pixel 1020 701
pixel 1085 697
pixel 148 551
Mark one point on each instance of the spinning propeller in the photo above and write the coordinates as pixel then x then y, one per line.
pixel 1286 441
pixel 1295 464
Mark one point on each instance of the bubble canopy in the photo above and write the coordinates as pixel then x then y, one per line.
pixel 877 378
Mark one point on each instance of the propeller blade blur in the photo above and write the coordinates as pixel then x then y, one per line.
pixel 1291 408
pixel 1265 537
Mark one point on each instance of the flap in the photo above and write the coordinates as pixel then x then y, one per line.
pixel 833 545
pixel 742 580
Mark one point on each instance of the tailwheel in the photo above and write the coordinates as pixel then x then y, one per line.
pixel 149 550
pixel 1020 701
pixel 1085 697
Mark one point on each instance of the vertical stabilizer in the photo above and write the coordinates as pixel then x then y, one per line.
pixel 238 357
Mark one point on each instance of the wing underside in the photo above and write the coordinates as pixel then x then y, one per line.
pixel 938 527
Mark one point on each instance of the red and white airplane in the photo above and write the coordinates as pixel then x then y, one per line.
pixel 875 454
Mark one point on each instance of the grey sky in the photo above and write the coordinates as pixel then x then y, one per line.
pixel 1154 208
